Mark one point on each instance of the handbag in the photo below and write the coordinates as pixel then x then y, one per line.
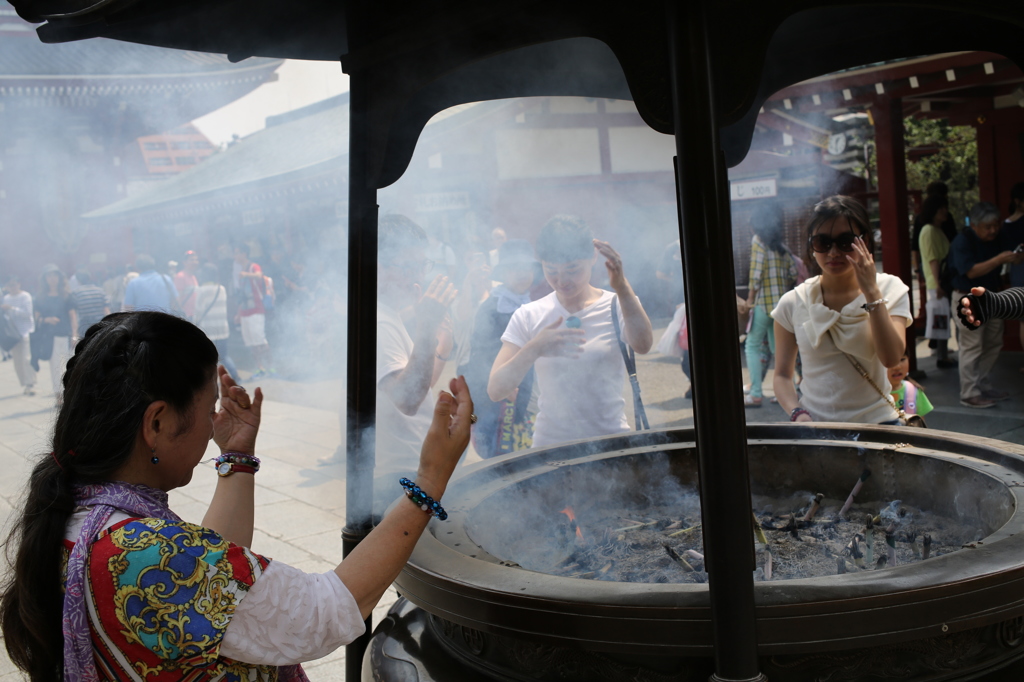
pixel 914 420
pixel 9 337
pixel 630 359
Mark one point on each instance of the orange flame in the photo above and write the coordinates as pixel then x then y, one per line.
pixel 572 517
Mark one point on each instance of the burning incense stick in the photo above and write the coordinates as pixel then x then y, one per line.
pixel 840 565
pixel 684 530
pixel 869 541
pixel 679 560
pixel 853 493
pixel 762 540
pixel 890 547
pixel 815 506
pixel 636 527
pixel 915 545
pixel 926 550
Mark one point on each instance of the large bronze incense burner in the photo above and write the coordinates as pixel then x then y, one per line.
pixel 951 616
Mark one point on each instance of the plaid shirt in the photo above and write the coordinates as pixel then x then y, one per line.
pixel 772 273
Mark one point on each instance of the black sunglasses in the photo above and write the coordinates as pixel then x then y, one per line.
pixel 822 243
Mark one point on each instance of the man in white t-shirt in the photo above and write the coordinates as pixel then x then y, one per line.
pixel 413 344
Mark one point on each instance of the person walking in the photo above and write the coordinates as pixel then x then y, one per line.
pixel 848 324
pixel 186 284
pixel 252 312
pixel 934 247
pixel 90 303
pixel 17 308
pixel 56 322
pixel 772 274
pixel 571 336
pixel 507 425
pixel 977 256
pixel 151 290
pixel 211 315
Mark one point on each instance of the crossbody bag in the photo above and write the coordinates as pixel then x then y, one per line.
pixel 629 357
pixel 914 420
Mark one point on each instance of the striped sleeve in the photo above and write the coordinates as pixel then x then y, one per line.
pixel 1002 305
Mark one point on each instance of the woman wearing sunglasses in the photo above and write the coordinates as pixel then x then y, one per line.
pixel 848 324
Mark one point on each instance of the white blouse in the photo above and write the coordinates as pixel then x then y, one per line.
pixel 832 389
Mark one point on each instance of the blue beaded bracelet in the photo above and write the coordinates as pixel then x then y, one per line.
pixel 423 500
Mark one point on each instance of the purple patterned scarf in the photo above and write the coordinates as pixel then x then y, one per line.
pixel 104 498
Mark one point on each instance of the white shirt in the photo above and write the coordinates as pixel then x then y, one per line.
pixel 211 311
pixel 833 390
pixel 20 313
pixel 287 617
pixel 579 397
pixel 399 436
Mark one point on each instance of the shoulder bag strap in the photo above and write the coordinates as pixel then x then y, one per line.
pixel 629 357
pixel 172 293
pixel 867 377
pixel 209 307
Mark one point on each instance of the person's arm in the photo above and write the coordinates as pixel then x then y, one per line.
pixel 636 326
pixel 981 306
pixel 785 365
pixel 933 265
pixel 235 427
pixel 375 563
pixel 757 256
pixel 888 331
pixel 73 317
pixel 984 267
pixel 407 387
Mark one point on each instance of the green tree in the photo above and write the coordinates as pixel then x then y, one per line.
pixel 953 161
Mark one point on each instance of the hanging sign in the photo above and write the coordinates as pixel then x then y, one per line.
pixel 760 188
pixel 442 201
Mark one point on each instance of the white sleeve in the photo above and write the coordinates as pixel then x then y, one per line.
pixel 517 332
pixel 392 355
pixel 291 617
pixel 899 299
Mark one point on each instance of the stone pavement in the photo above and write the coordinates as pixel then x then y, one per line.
pixel 300 490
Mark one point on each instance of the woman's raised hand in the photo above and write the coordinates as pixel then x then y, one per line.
pixel 446 439
pixel 238 421
pixel 613 263
pixel 863 262
pixel 555 341
pixel 433 305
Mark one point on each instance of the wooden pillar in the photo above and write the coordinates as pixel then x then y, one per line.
pixel 988 178
pixel 892 198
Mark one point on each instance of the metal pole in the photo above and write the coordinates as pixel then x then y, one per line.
pixel 706 236
pixel 362 349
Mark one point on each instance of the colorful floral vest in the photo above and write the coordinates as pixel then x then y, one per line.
pixel 160 596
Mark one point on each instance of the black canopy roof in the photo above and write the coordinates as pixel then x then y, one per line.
pixel 425 57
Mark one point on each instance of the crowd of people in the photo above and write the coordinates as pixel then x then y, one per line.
pixel 541 348
pixel 42 323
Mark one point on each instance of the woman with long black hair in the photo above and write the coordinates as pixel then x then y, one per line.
pixel 147 596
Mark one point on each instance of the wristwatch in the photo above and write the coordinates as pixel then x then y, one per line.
pixel 228 468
